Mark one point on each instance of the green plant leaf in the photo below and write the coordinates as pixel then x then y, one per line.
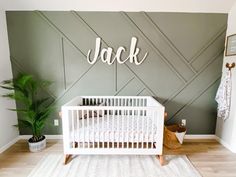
pixel 18 110
pixel 7 87
pixel 24 80
pixel 45 83
pixel 25 123
pixel 7 82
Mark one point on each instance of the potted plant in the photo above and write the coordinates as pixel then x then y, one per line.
pixel 33 111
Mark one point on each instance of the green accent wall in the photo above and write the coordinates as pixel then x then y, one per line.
pixel 182 70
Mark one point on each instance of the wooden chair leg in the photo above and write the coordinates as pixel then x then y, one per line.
pixel 161 159
pixel 67 158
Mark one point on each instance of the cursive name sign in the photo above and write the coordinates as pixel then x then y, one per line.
pixel 106 53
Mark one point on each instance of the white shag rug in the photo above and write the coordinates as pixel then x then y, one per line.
pixel 114 166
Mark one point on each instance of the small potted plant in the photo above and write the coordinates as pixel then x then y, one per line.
pixel 33 111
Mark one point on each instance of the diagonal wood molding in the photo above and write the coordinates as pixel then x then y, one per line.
pixel 209 43
pixel 153 46
pixel 193 99
pixel 174 48
pixel 195 76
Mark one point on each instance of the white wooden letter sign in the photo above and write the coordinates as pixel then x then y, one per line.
pixel 106 53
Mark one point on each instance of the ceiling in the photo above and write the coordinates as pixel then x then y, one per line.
pixel 207 6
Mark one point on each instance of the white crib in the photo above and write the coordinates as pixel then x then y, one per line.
pixel 113 125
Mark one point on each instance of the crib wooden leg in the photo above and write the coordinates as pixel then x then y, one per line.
pixel 161 159
pixel 67 158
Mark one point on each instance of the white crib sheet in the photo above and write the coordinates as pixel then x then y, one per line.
pixel 116 130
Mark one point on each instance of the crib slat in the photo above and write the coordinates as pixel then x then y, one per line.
pixel 107 128
pixel 103 131
pixel 152 129
pixel 117 128
pixel 132 114
pixel 83 128
pixel 73 128
pixel 159 124
pixel 88 134
pixel 98 130
pixel 93 117
pixel 143 134
pixel 128 130
pixel 113 131
pixel 138 128
pixel 77 128
pixel 122 127
pixel 147 130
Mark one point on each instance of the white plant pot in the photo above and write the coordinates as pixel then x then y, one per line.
pixel 37 146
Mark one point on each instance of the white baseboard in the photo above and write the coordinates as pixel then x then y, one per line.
pixel 225 144
pixel 210 136
pixel 53 137
pixel 5 147
pixel 50 137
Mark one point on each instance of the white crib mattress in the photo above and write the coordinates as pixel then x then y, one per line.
pixel 114 129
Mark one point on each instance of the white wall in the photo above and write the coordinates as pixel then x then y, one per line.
pixel 8 133
pixel 226 130
pixel 209 6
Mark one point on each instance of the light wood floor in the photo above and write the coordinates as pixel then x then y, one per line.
pixel 209 157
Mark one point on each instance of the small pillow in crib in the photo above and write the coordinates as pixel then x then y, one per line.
pixel 91 113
